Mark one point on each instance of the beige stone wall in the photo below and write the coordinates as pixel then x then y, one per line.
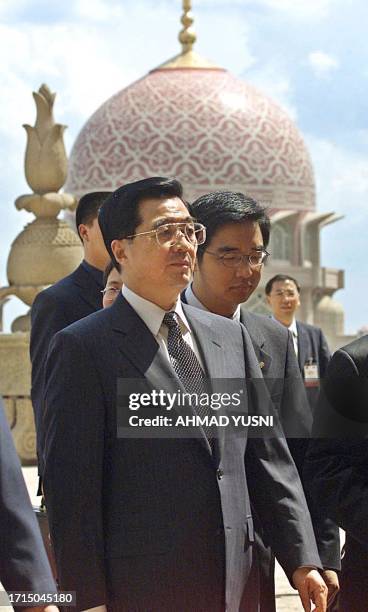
pixel 15 384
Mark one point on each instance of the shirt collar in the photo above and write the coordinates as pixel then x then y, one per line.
pixel 151 314
pixel 293 328
pixel 192 300
pixel 96 274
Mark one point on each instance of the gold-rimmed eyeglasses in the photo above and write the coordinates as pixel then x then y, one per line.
pixel 234 260
pixel 168 234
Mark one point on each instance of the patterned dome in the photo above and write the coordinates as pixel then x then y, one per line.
pixel 204 126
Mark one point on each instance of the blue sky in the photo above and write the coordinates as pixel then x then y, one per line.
pixel 311 56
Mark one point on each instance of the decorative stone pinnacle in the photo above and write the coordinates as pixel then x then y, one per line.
pixel 187 35
pixel 45 160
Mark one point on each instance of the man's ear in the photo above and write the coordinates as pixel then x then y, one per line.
pixel 118 248
pixel 83 232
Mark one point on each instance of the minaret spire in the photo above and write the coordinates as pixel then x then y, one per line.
pixel 187 36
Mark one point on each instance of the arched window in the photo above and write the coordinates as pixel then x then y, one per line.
pixel 281 243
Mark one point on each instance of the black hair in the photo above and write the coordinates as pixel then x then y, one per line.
pixel 88 207
pixel 109 268
pixel 119 215
pixel 218 208
pixel 280 278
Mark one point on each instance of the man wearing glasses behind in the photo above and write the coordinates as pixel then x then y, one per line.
pixel 159 523
pixel 228 271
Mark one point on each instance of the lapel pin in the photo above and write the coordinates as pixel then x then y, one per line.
pixel 261 364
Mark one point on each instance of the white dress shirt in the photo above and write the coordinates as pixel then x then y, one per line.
pixel 294 334
pixel 153 315
pixel 293 331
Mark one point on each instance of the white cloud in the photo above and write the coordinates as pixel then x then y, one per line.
pixel 228 51
pixel 273 80
pixel 8 7
pixel 322 63
pixel 98 10
pixel 302 9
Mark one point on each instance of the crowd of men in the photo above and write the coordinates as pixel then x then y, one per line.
pixel 192 522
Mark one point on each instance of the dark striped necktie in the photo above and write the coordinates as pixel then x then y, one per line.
pixel 187 368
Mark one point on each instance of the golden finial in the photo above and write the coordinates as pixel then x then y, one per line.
pixel 187 58
pixel 187 35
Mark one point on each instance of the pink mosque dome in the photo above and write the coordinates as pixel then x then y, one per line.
pixel 197 122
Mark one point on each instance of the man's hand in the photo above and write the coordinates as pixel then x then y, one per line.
pixel 332 582
pixel 311 587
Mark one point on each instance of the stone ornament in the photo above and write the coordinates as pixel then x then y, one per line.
pixel 47 249
pixel 45 160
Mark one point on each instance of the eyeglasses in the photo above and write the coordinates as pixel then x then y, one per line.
pixel 170 233
pixel 234 260
pixel 110 291
pixel 285 293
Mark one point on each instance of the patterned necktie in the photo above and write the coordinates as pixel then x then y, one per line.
pixel 188 368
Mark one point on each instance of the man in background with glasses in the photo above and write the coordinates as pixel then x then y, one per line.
pixel 228 271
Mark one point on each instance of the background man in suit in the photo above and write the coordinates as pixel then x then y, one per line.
pixel 23 561
pixel 160 523
pixel 68 300
pixel 228 270
pixel 311 348
pixel 337 466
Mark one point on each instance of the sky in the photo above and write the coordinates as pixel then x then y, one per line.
pixel 310 56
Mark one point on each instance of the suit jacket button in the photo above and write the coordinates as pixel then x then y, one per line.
pixel 219 474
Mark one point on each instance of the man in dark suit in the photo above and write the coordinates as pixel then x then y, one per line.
pixel 311 348
pixel 23 561
pixel 68 300
pixel 228 270
pixel 161 522
pixel 337 464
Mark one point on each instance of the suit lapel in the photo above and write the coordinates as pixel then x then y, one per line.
pixel 219 363
pixel 258 341
pixel 132 336
pixel 210 346
pixel 138 345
